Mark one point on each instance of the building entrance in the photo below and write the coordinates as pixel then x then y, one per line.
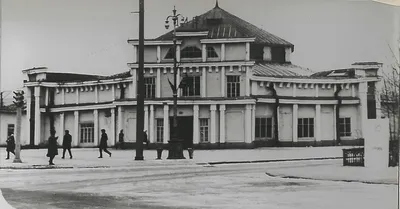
pixel 185 130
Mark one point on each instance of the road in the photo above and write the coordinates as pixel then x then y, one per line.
pixel 186 186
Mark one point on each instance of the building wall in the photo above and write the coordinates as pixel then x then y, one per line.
pixel 10 118
pixel 150 54
pixel 285 123
pixel 86 96
pixel 235 51
pixel 105 95
pixel 166 90
pixel 327 123
pixel 234 117
pixel 70 97
pixel 213 83
pixel 351 112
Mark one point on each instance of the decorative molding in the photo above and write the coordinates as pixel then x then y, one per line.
pixel 227 40
pixel 154 42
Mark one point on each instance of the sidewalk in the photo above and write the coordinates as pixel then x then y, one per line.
pixel 334 170
pixel 87 157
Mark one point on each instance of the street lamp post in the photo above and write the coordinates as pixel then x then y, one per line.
pixel 175 144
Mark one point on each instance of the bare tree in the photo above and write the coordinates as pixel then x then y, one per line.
pixel 390 100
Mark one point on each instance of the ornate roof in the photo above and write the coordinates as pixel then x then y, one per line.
pixel 222 24
pixel 280 70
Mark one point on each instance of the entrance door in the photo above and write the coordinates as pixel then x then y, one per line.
pixel 185 130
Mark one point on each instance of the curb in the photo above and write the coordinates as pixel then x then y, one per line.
pixel 334 180
pixel 44 167
pixel 270 161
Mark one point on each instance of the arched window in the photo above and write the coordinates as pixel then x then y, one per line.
pixel 211 52
pixel 191 52
pixel 170 54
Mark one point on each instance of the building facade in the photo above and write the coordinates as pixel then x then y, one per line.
pixel 241 91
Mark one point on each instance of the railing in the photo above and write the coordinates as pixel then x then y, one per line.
pixel 353 157
pixel 393 153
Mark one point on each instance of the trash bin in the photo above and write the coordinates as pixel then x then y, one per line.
pixel 159 152
pixel 190 150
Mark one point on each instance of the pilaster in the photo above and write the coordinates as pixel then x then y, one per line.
pixel 318 122
pixel 295 118
pixel 151 131
pixel 213 108
pixel 38 120
pixel 166 124
pixel 96 126
pixel 247 124
pixel 196 126
pixel 222 134
pixel 75 136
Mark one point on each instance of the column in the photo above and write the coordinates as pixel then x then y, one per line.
pixel 112 92
pixel 166 124
pixel 62 96
pixel 146 118
pixel 213 108
pixel 204 52
pixel 151 130
pixel 222 109
pixel 158 83
pixel 96 126
pixel 28 114
pixel 196 127
pixel 134 82
pixel 247 51
pixel 247 121
pixel 38 121
pixel 61 129
pixel 334 122
pixel 363 111
pixel 77 95
pixel 112 128
pixel 222 52
pixel 253 122
pixel 248 81
pixel 120 119
pixel 223 92
pixel 318 122
pixel 158 54
pixel 46 100
pixel 75 136
pixel 279 122
pixel 178 53
pixel 294 123
pixel 203 82
pixel 134 54
pixel 96 94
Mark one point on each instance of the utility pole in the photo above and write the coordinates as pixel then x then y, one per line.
pixel 19 102
pixel 140 87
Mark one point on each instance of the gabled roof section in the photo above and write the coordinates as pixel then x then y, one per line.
pixel 221 24
pixel 277 70
pixel 75 77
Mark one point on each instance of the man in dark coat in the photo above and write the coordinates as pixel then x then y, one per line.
pixel 52 149
pixel 10 145
pixel 103 143
pixel 67 140
pixel 121 139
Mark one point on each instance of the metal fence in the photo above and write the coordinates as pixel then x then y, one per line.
pixel 353 157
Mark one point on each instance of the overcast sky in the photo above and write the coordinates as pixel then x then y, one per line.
pixel 89 36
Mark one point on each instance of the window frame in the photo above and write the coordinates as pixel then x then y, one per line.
pixel 305 128
pixel 150 88
pixel 86 133
pixel 211 52
pixel 159 130
pixel 233 86
pixel 194 90
pixel 204 138
pixel 191 52
pixel 264 128
pixel 345 127
pixel 9 128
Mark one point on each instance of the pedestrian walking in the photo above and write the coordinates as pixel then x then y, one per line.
pixel 10 145
pixel 52 149
pixel 103 143
pixel 67 140
pixel 145 138
pixel 121 139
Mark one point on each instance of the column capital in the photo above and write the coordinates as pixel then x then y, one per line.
pixel 166 107
pixel 151 107
pixel 196 107
pixel 213 107
pixel 112 110
pixel 249 107
pixel 76 112
pixel 222 107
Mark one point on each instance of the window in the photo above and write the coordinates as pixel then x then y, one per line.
pixel 160 130
pixel 233 85
pixel 211 52
pixel 263 127
pixel 191 52
pixel 10 129
pixel 204 130
pixel 345 126
pixel 87 133
pixel 192 86
pixel 305 127
pixel 150 87
pixel 278 54
pixel 170 53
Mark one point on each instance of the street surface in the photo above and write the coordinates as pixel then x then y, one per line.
pixel 176 184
